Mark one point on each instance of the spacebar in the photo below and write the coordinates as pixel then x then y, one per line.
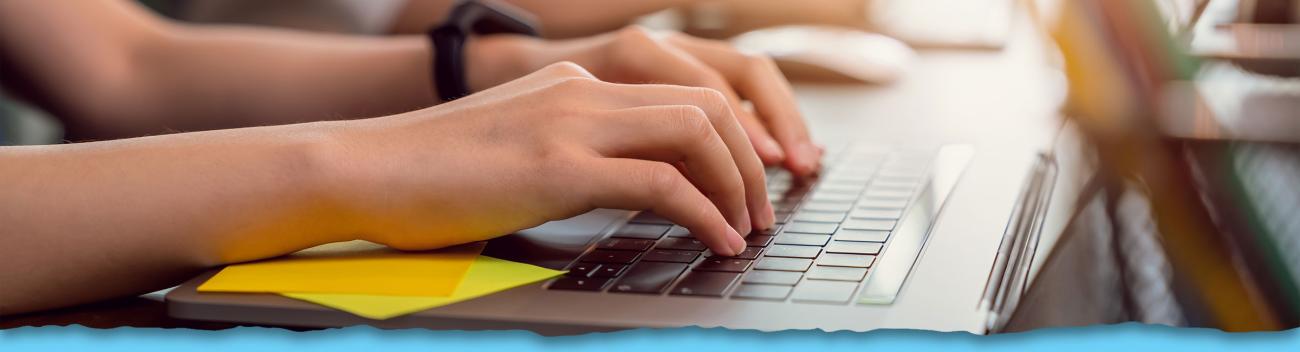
pixel 894 264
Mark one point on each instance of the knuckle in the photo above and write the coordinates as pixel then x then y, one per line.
pixel 634 41
pixel 570 85
pixel 663 180
pixel 635 33
pixel 759 61
pixel 711 100
pixel 760 65
pixel 692 121
pixel 567 69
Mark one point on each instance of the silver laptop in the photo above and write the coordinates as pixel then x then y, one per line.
pixel 879 241
pixel 909 226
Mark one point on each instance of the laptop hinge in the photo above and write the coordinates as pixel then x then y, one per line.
pixel 1010 273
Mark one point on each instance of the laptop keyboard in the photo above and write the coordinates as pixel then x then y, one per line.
pixel 829 234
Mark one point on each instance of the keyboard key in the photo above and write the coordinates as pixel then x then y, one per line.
pixel 582 269
pixel 678 231
pixel 893 184
pixel 883 214
pixel 670 256
pixel 811 227
pixel 820 291
pixel 686 244
pixel 836 273
pixel 783 217
pixel 704 283
pixel 842 179
pixel 840 188
pixel 855 177
pixel 827 206
pixel 724 264
pixel 625 244
pixel 861 235
pixel 610 256
pixel 642 231
pixel 788 278
pixel 850 260
pixel 833 197
pixel 648 277
pixel 867 224
pixel 608 270
pixel 854 247
pixel 580 283
pixel 764 292
pixel 882 204
pixel 758 240
pixel 783 264
pixel 646 217
pixel 768 232
pixel 790 251
pixel 802 239
pixel 785 205
pixel 817 216
pixel 885 193
pixel 750 253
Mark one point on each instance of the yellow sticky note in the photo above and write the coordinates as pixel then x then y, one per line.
pixel 355 267
pixel 487 275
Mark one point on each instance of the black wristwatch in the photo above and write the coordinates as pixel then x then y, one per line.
pixel 480 17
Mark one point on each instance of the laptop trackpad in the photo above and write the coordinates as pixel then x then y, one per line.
pixel 554 244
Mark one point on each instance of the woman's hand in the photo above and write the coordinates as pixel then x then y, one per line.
pixel 548 146
pixel 633 55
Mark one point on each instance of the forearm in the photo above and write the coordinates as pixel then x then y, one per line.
pixel 224 77
pixel 142 214
pixel 111 69
pixel 558 19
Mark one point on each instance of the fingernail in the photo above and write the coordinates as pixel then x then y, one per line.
pixel 737 244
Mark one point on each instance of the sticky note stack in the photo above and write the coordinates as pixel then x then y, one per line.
pixel 375 282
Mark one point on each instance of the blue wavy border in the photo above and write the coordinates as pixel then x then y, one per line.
pixel 1097 338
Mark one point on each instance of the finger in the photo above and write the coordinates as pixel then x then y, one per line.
pixel 757 79
pixel 720 115
pixel 677 133
pixel 649 185
pixel 644 57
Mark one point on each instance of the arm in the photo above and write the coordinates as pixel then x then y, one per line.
pixel 576 18
pixel 111 69
pixel 89 221
pixel 558 19
pixel 107 219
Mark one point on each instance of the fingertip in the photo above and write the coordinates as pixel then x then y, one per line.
pixel 766 217
pixel 744 227
pixel 736 242
pixel 769 152
pixel 809 159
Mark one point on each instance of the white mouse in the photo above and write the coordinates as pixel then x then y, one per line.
pixel 829 53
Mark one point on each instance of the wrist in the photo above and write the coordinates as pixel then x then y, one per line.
pixel 327 175
pixel 496 59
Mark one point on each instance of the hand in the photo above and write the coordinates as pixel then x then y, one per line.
pixel 633 55
pixel 552 145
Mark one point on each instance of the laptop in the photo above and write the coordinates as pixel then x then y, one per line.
pixel 907 227
pixel 844 244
